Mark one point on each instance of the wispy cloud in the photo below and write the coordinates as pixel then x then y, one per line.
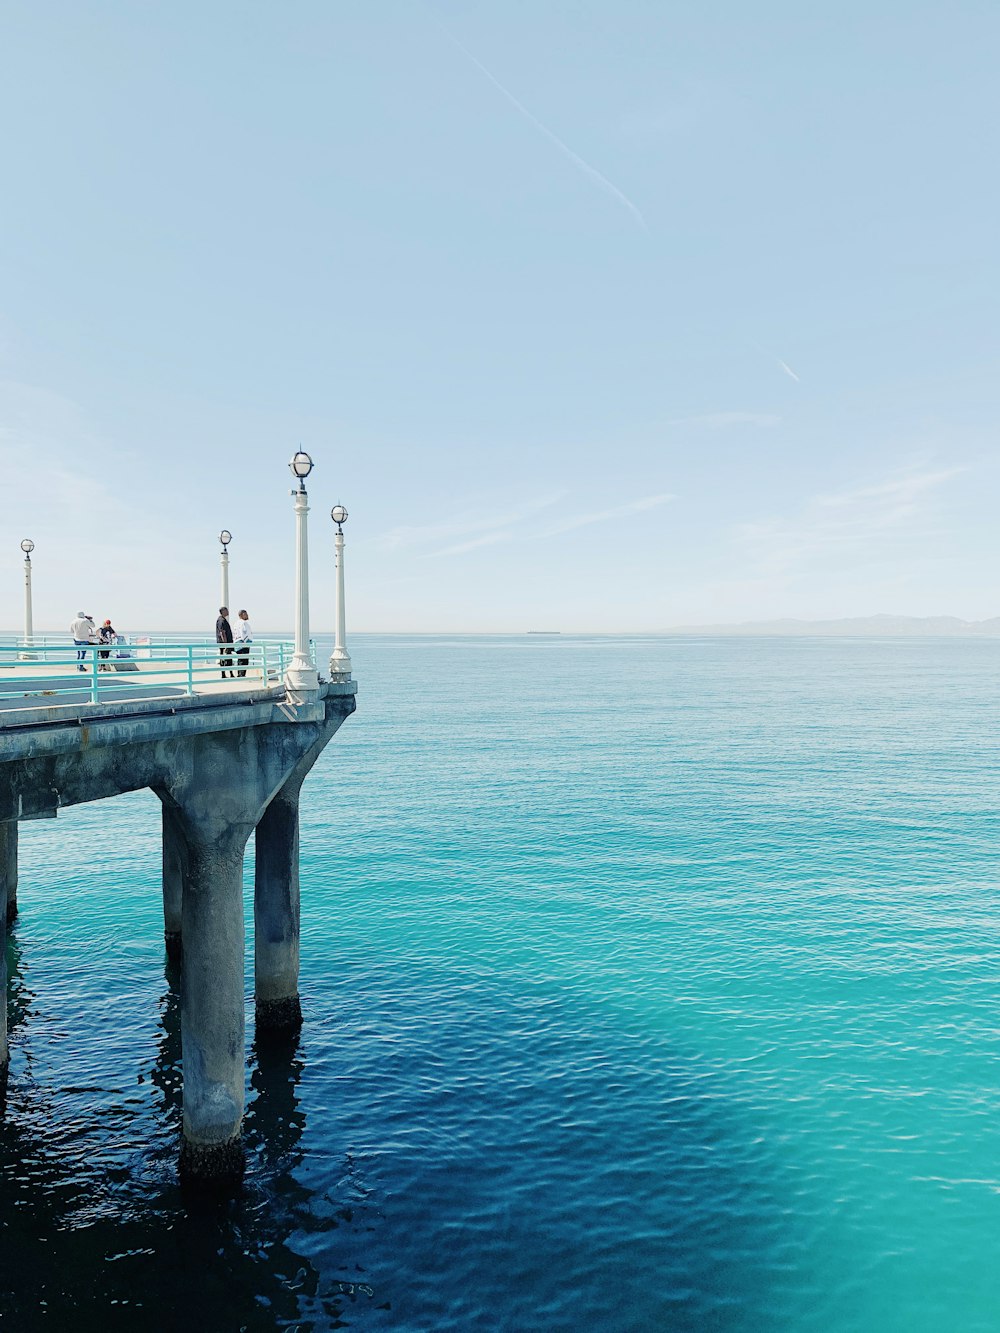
pixel 604 515
pixel 897 497
pixel 783 366
pixel 37 424
pixel 720 420
pixel 476 525
pixel 788 370
pixel 600 180
pixel 97 542
pixel 472 533
pixel 487 539
pixel 851 525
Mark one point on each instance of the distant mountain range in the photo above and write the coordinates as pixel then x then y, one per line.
pixel 882 626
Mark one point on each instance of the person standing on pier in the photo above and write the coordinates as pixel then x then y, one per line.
pixel 224 638
pixel 81 629
pixel 107 636
pixel 244 637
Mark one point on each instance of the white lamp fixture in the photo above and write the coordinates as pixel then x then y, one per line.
pixel 225 537
pixel 301 465
pixel 340 661
pixel 27 546
pixel 301 678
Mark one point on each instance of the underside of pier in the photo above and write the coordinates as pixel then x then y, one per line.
pixel 223 768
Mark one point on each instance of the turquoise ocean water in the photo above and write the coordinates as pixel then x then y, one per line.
pixel 650 983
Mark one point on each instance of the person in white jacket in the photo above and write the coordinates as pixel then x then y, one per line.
pixel 244 637
pixel 84 634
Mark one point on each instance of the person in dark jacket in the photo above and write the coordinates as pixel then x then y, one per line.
pixel 224 638
pixel 107 636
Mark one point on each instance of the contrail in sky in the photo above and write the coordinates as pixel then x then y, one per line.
pixel 575 158
pixel 769 353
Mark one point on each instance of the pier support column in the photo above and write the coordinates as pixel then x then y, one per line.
pixel 276 913
pixel 8 866
pixel 173 883
pixel 4 1051
pixel 212 1004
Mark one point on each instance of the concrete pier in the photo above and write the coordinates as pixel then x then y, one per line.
pixel 276 912
pixel 223 766
pixel 8 868
pixel 8 910
pixel 212 1002
pixel 173 883
pixel 4 1051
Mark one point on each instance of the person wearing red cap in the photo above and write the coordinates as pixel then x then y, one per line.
pixel 107 636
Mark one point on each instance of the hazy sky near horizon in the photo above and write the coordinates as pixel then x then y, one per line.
pixel 602 315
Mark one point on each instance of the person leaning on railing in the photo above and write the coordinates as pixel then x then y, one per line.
pixel 224 638
pixel 244 637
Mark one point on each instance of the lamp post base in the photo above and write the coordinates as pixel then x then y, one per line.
pixel 301 681
pixel 340 665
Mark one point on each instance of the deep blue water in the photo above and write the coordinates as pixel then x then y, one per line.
pixel 649 984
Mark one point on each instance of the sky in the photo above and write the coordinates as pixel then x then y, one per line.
pixel 602 315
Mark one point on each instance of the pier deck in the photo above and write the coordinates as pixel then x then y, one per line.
pixel 48 676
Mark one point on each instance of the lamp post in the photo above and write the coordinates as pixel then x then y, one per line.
pixel 225 537
pixel 301 677
pixel 340 661
pixel 27 546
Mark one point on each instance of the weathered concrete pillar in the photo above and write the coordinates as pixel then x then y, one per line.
pixel 212 1003
pixel 8 865
pixel 8 911
pixel 4 1051
pixel 173 882
pixel 276 912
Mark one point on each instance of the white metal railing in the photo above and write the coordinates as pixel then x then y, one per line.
pixel 143 670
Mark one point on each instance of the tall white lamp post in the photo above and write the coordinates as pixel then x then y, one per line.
pixel 301 677
pixel 225 537
pixel 27 546
pixel 340 661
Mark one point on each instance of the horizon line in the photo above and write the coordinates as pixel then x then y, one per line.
pixel 749 628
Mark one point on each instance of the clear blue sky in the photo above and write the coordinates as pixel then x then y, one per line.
pixel 597 314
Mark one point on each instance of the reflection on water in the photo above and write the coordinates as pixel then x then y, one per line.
pixel 166 1071
pixel 19 997
pixel 94 1243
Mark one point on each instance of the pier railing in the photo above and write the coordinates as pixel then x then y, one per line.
pixel 11 639
pixel 150 669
